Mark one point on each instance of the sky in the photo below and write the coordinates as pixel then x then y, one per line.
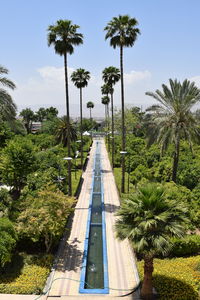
pixel 168 47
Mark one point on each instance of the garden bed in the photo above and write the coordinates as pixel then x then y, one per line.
pixel 176 279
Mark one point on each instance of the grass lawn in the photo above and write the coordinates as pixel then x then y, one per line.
pixel 118 176
pixel 176 279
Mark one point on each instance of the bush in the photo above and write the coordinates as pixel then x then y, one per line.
pixel 26 274
pixel 187 246
pixel 175 279
pixel 8 239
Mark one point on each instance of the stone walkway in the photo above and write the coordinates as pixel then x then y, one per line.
pixel 64 279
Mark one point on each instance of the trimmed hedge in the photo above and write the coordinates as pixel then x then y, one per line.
pixel 176 279
pixel 187 246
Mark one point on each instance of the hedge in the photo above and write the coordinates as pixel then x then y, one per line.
pixel 176 279
pixel 187 246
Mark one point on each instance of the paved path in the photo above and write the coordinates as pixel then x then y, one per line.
pixel 121 265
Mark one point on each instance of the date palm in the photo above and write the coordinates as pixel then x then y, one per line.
pixel 173 119
pixel 90 105
pixel 61 131
pixel 122 32
pixel 111 76
pixel 80 78
pixel 148 220
pixel 63 36
pixel 7 106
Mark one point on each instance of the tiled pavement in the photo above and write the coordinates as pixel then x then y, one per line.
pixel 121 265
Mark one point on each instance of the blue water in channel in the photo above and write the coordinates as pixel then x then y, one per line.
pixel 94 275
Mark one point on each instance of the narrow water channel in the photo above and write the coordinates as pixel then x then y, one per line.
pixel 94 275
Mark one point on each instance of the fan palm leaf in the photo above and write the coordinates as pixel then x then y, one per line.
pixel 148 220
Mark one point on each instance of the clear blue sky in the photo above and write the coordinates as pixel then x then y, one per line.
pixel 168 47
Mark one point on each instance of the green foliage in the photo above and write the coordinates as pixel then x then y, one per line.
pixel 17 161
pixel 7 106
pixel 172 118
pixel 175 279
pixel 44 216
pixel 186 246
pixel 189 172
pixel 46 114
pixel 130 121
pixel 8 239
pixel 49 126
pixel 26 274
pixel 62 131
pixel 5 133
pixel 88 124
pixel 194 207
pixel 5 202
pixel 138 174
pixel 80 78
pixel 148 219
pixel 122 31
pixel 42 140
pixel 162 170
pixel 189 198
pixel 28 117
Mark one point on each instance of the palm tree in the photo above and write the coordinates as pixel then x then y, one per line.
pixel 63 35
pixel 173 118
pixel 149 220
pixel 106 90
pixel 61 132
pixel 90 105
pixel 105 101
pixel 111 76
pixel 122 32
pixel 80 78
pixel 7 106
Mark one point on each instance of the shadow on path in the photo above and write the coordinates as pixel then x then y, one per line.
pixel 106 171
pixel 71 258
pixel 111 208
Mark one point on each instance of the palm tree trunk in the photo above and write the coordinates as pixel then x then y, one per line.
pixel 147 285
pixel 176 157
pixel 106 120
pixel 108 127
pixel 68 127
pixel 123 127
pixel 90 114
pixel 81 116
pixel 113 149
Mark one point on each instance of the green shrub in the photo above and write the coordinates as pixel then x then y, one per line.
pixel 26 274
pixel 187 246
pixel 175 279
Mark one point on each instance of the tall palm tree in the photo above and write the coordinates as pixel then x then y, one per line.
pixel 111 76
pixel 106 90
pixel 90 105
pixel 80 78
pixel 148 220
pixel 63 36
pixel 105 101
pixel 7 106
pixel 122 32
pixel 173 118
